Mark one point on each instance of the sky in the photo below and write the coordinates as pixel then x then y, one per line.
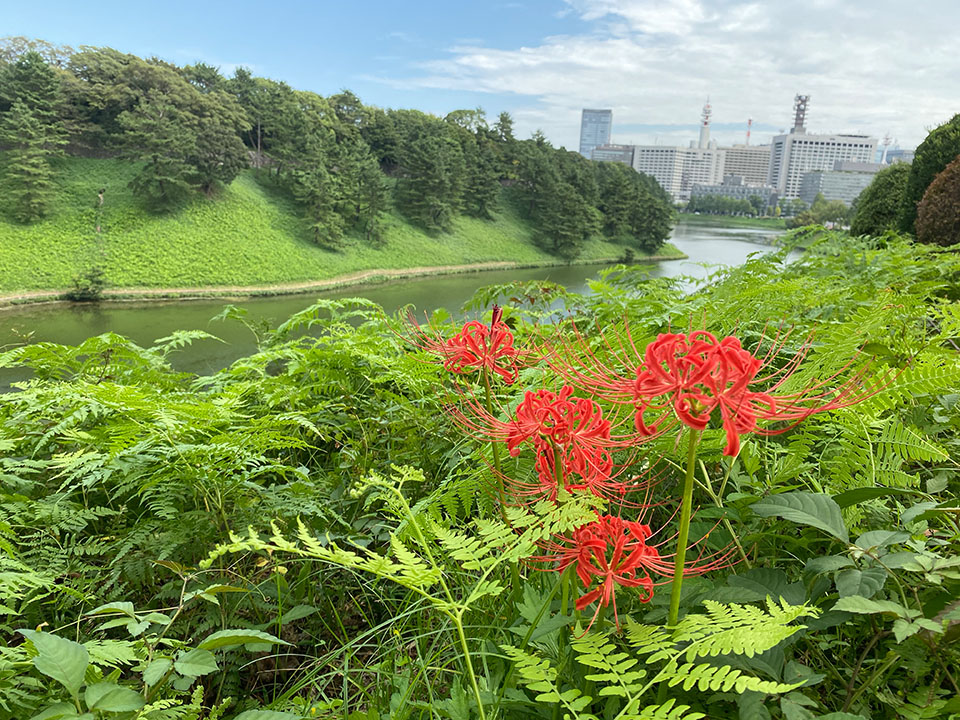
pixel 877 67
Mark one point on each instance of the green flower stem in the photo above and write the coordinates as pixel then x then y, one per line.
pixel 684 531
pixel 501 496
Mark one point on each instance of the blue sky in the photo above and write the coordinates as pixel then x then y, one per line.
pixel 879 67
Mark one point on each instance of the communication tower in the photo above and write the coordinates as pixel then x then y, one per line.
pixel 705 125
pixel 800 113
pixel 749 126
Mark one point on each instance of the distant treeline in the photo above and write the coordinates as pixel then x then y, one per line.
pixel 343 162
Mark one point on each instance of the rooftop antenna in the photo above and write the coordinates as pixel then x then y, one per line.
pixel 885 143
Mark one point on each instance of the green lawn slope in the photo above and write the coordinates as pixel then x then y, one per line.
pixel 246 235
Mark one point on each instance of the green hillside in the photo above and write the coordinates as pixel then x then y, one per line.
pixel 246 235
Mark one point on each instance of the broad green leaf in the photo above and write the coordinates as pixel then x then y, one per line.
pixel 878 539
pixel 296 613
pixel 841 716
pixel 110 697
pixel 196 662
pixel 126 608
pixel 229 638
pixel 155 671
pixel 902 629
pixel 865 583
pixel 267 715
pixel 63 660
pixel 920 511
pixel 767 581
pixel 859 495
pixel 813 509
pixel 864 606
pixel 827 564
pixel 60 710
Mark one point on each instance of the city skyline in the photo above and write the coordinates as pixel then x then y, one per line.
pixel 877 70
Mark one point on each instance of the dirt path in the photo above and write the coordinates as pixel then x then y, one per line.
pixel 340 281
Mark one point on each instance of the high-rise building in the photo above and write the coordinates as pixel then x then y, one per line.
pixel 751 162
pixel 677 169
pixel 799 152
pixel 594 130
pixel 613 153
pixel 845 182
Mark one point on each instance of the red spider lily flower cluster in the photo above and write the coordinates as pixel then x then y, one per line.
pixel 680 378
pixel 688 376
pixel 612 552
pixel 560 427
pixel 477 347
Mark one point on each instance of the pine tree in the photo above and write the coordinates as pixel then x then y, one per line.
pixel 482 188
pixel 27 183
pixel 29 89
pixel 161 134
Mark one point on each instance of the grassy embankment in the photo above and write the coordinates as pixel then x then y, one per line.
pixel 732 221
pixel 245 236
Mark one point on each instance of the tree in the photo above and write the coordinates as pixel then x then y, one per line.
pixel 938 215
pixel 431 171
pixel 565 222
pixel 877 207
pixel 27 180
pixel 937 151
pixel 31 128
pixel 30 80
pixel 159 133
pixel 373 201
pixel 504 128
pixel 482 184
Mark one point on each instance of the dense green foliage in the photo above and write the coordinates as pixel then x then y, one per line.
pixel 189 130
pixel 938 150
pixel 308 534
pixel 821 212
pixel 876 209
pixel 248 234
pixel 938 215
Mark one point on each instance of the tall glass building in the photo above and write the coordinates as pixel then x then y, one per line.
pixel 594 130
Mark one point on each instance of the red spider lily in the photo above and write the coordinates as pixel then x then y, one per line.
pixel 686 376
pixel 611 552
pixel 476 347
pixel 560 427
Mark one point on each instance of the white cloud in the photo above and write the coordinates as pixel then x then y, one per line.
pixel 890 68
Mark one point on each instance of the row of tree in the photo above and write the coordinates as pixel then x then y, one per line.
pixel 725 205
pixel 193 130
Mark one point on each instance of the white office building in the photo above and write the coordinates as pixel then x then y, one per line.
pixel 751 162
pixel 677 169
pixel 797 153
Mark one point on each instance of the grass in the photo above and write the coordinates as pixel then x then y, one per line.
pixel 732 221
pixel 246 235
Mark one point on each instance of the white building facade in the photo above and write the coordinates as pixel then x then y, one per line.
pixel 677 169
pixel 751 162
pixel 797 153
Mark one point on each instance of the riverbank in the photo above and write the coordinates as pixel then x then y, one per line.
pixel 366 277
pixel 248 235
